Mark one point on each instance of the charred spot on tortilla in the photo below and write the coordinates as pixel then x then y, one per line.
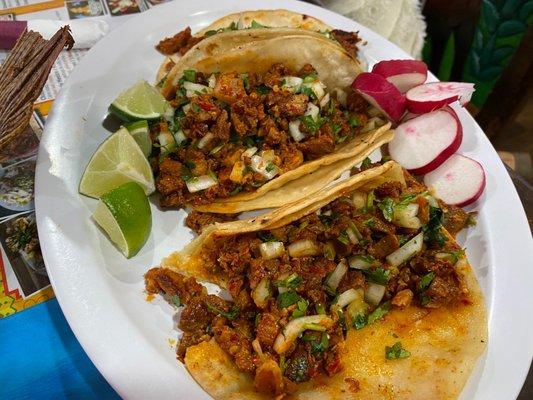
pixel 315 313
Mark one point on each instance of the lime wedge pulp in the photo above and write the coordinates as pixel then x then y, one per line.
pixel 124 214
pixel 141 133
pixel 118 160
pixel 141 101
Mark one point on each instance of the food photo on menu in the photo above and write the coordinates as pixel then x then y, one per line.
pixel 269 200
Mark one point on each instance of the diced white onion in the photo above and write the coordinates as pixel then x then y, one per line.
pixel 166 141
pixel 200 183
pixel 211 82
pixel 205 140
pixel 292 82
pixel 352 235
pixel 303 248
pixel 186 108
pixel 328 212
pixel 294 328
pixel 180 137
pixel 325 100
pixel 407 251
pixel 347 297
pixel 318 88
pixel 270 250
pixel 294 129
pixel 432 201
pixel 312 110
pixel 267 169
pixel 374 293
pixel 249 152
pixel 406 217
pixel 357 262
pixel 336 276
pixel 261 293
pixel 359 199
pixel 192 89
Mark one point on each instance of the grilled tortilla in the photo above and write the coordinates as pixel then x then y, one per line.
pixel 247 20
pixel 251 119
pixel 330 301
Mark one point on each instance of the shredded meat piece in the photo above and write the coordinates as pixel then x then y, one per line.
pixel 348 40
pixel 229 88
pixel 181 42
pixel 197 221
pixel 386 245
pixel 455 219
pixel 351 280
pixel 267 329
pixel 388 189
pixel 355 102
pixel 285 104
pixel 163 280
pixel 403 298
pixel 237 346
pixel 317 146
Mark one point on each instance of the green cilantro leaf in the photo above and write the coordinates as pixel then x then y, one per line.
pixel 176 300
pixel 313 125
pixel 292 281
pixel 367 162
pixel 359 322
pixel 396 352
pixel 387 208
pixel 353 122
pixel 379 312
pixel 378 275
pixel 426 281
pixel 287 299
pixel 189 75
pixel 256 25
pixel 231 314
pixel 262 89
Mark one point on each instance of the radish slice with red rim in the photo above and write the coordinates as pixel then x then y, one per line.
pixel 404 74
pixel 381 94
pixel 432 96
pixel 423 143
pixel 459 181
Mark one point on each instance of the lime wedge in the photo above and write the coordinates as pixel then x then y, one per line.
pixel 141 133
pixel 141 101
pixel 118 160
pixel 124 214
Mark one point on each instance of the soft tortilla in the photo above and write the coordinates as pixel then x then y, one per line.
pixel 445 343
pixel 270 18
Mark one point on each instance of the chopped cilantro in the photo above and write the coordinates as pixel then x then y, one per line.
pixel 425 299
pixel 236 189
pixel 396 351
pixel 161 82
pixel 432 230
pixel 189 75
pixel 292 281
pixel 253 141
pixel 186 174
pixel 379 312
pixel 320 309
pixel 366 258
pixel 231 314
pixel 270 167
pixel 245 81
pixel 359 322
pixel 211 33
pixel 195 107
pixel 387 208
pixel 317 345
pixel 370 222
pixel 307 91
pixel 367 162
pixel 343 238
pixel 176 300
pixel 406 200
pixel 335 128
pixel 266 236
pixel 287 299
pixel 301 308
pixel 312 125
pixel 378 275
pixel 329 251
pixel 353 122
pixel 309 78
pixel 342 319
pixel 256 25
pixel 262 89
pixel 328 220
pixel 189 164
pixel 402 239
pixel 426 281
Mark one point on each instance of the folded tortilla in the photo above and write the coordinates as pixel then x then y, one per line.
pixel 445 342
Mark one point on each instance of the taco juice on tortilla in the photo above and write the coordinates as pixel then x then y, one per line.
pixel 358 291
pixel 251 118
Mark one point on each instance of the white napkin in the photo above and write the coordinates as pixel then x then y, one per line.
pixel 85 32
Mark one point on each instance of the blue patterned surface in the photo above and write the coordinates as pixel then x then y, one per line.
pixel 40 358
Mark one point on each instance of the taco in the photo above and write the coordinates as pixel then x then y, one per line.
pixel 252 120
pixel 176 46
pixel 359 291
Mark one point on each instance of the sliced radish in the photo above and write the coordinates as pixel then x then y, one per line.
pixel 459 180
pixel 432 96
pixel 381 94
pixel 423 143
pixel 404 74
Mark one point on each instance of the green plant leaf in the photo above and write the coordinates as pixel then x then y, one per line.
pixel 485 54
pixel 511 27
pixel 501 54
pixel 526 12
pixel 474 65
pixel 478 39
pixel 490 15
pixel 491 72
pixel 510 7
pixel 446 64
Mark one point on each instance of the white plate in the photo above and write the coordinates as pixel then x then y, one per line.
pixel 101 293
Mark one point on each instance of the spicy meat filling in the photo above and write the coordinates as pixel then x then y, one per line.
pixel 234 132
pixel 298 289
